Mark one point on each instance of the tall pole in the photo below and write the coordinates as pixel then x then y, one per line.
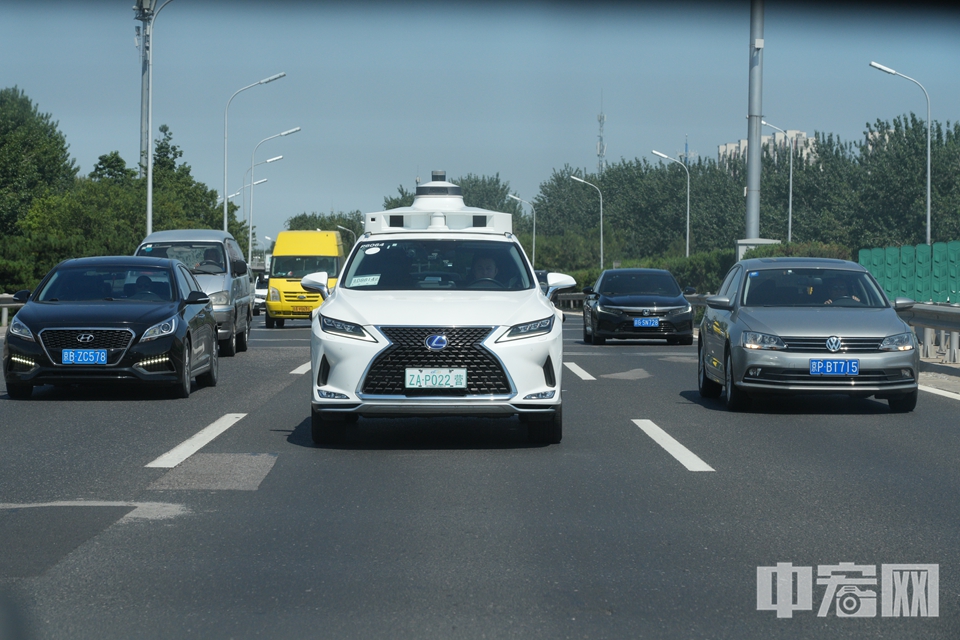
pixel 252 183
pixel 684 165
pixel 754 116
pixel 876 65
pixel 533 261
pixel 225 112
pixel 793 143
pixel 572 177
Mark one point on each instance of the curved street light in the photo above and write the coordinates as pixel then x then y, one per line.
pixel 252 165
pixel 148 44
pixel 793 143
pixel 879 66
pixel 682 164
pixel 350 231
pixel 533 261
pixel 247 184
pixel 225 112
pixel 573 177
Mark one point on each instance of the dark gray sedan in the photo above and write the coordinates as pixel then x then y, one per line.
pixel 806 326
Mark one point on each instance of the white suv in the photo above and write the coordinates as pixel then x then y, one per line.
pixel 437 312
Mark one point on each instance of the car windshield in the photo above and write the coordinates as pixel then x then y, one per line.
pixel 299 266
pixel 811 288
pixel 76 284
pixel 413 265
pixel 639 284
pixel 200 257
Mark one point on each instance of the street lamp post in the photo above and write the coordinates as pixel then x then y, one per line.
pixel 350 231
pixel 533 261
pixel 879 66
pixel 684 165
pixel 225 112
pixel 247 184
pixel 572 177
pixel 252 165
pixel 793 143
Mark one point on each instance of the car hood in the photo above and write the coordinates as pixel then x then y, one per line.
pixel 101 313
pixel 643 301
pixel 424 308
pixel 823 321
pixel 212 282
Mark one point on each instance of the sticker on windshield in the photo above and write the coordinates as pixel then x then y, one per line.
pixel 372 250
pixel 365 281
pixel 754 274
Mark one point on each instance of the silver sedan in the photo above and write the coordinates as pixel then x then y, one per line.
pixel 792 326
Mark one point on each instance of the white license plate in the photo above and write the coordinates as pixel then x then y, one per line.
pixel 83 356
pixel 826 367
pixel 435 378
pixel 646 322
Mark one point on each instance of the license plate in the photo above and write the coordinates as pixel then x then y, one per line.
pixel 646 322
pixel 834 367
pixel 83 356
pixel 435 378
pixel 302 309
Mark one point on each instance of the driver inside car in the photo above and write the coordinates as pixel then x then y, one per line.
pixel 211 256
pixel 838 289
pixel 484 268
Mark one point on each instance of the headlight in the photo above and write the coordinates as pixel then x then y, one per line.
pixel 528 330
pixel 680 311
pixel 612 310
pixel 160 329
pixel 899 342
pixel 345 329
pixel 220 298
pixel 754 340
pixel 274 295
pixel 20 330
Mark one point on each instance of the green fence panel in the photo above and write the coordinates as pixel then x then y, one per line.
pixel 923 284
pixel 953 270
pixel 878 261
pixel 940 273
pixel 863 257
pixel 908 271
pixel 891 271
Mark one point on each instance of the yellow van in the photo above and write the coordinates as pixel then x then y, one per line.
pixel 295 254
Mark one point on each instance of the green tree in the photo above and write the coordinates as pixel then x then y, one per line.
pixel 34 158
pixel 352 220
pixel 403 198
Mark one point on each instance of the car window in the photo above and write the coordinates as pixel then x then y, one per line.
pixel 299 266
pixel 811 288
pixel 408 265
pixel 727 285
pixel 633 283
pixel 183 281
pixel 78 284
pixel 200 257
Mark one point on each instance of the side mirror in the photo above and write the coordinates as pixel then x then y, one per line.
pixel 239 267
pixel 902 304
pixel 317 283
pixel 689 291
pixel 21 296
pixel 588 290
pixel 197 297
pixel 719 302
pixel 557 282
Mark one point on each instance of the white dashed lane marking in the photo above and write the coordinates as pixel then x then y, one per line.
pixel 940 392
pixel 196 442
pixel 686 457
pixel 577 370
pixel 301 369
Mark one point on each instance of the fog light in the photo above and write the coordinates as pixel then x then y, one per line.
pixel 21 364
pixel 332 395
pixel 753 372
pixel 543 395
pixel 906 373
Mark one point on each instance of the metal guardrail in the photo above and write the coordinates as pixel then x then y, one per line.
pixel 7 303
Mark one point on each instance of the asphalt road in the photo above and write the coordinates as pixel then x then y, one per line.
pixel 652 519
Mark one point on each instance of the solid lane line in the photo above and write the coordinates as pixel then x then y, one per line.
pixel 577 370
pixel 198 441
pixel 940 392
pixel 301 369
pixel 686 457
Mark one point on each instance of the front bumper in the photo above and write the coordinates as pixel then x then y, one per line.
pixel 621 325
pixel 226 322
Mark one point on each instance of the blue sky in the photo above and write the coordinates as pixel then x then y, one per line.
pixel 386 92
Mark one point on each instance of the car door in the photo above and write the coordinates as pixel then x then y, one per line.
pixel 199 318
pixel 240 290
pixel 716 324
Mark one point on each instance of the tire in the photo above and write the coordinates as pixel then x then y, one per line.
pixel 228 347
pixel 586 336
pixel 708 388
pixel 280 322
pixel 734 398
pixel 19 390
pixel 182 388
pixel 243 338
pixel 687 340
pixel 267 320
pixel 211 376
pixel 594 338
pixel 325 431
pixel 549 431
pixel 898 404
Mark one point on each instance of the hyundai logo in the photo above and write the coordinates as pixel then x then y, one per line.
pixel 833 344
pixel 436 342
pixel 85 338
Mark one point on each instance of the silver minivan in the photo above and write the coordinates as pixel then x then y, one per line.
pixel 216 261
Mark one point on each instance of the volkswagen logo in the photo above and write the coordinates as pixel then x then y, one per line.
pixel 85 338
pixel 833 344
pixel 436 342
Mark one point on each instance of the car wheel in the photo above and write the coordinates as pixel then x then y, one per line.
pixel 594 337
pixel 548 431
pixel 734 398
pixel 268 320
pixel 903 403
pixel 326 431
pixel 708 388
pixel 210 377
pixel 19 390
pixel 182 388
pixel 687 340
pixel 228 347
pixel 256 312
pixel 586 336
pixel 280 322
pixel 243 338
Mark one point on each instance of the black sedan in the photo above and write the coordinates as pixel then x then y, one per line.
pixel 637 304
pixel 112 319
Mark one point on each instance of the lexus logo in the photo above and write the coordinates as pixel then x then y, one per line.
pixel 833 344
pixel 85 338
pixel 436 342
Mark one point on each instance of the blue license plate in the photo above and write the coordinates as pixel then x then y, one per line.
pixel 834 367
pixel 83 356
pixel 646 322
